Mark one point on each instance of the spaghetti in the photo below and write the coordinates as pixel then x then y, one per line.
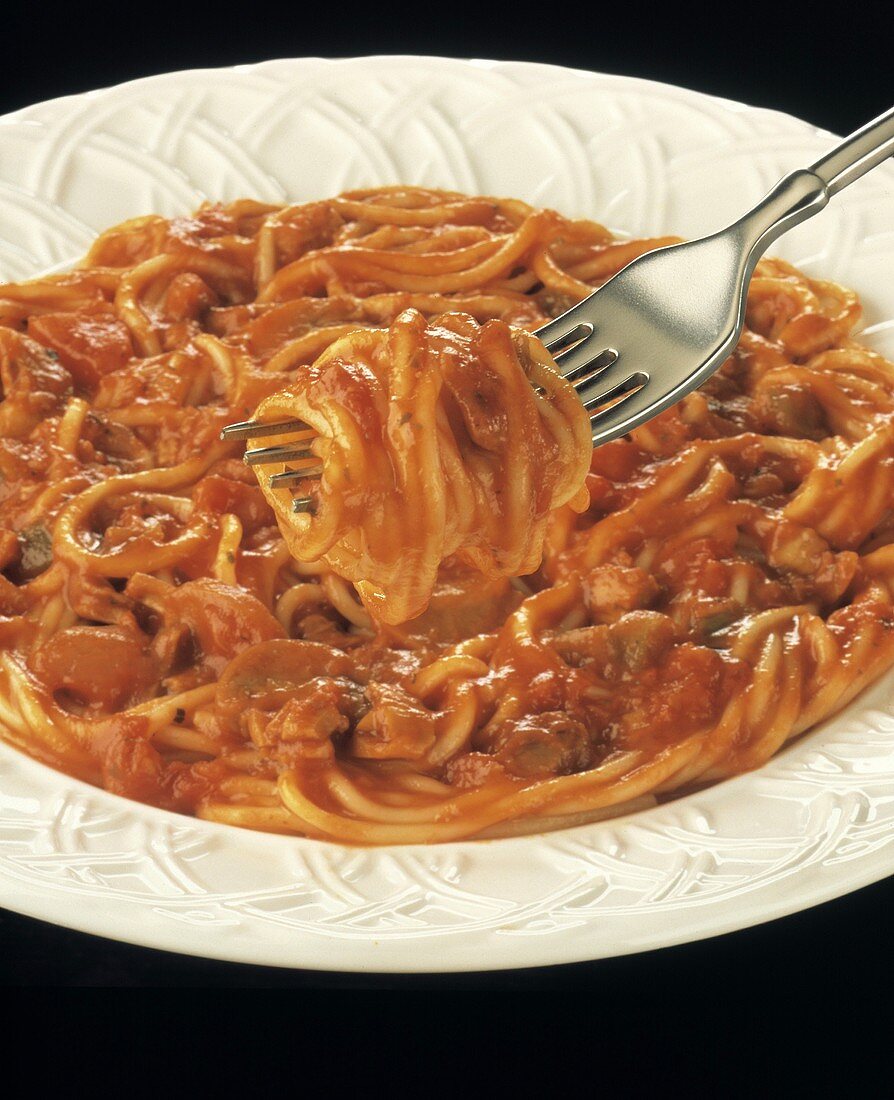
pixel 725 581
pixel 441 440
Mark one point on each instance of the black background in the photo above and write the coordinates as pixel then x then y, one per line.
pixel 830 65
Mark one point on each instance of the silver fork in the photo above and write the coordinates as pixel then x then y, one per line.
pixel 670 318
pixel 660 327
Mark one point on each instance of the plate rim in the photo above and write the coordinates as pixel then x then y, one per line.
pixel 420 956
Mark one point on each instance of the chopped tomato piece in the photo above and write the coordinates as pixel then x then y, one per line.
pixel 89 344
pixel 224 619
pixel 101 666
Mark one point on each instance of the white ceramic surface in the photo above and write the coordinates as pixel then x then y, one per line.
pixel 814 823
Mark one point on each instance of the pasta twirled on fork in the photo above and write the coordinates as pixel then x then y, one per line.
pixel 435 440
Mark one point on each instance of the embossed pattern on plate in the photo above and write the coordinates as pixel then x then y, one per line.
pixel 814 823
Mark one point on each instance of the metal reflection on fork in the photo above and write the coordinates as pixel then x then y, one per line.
pixel 664 323
pixel 282 452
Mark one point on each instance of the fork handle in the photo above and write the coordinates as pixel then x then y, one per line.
pixel 864 149
pixel 805 192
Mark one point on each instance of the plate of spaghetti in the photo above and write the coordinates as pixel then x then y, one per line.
pixel 426 683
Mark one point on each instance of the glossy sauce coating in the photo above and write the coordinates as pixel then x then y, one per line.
pixel 722 582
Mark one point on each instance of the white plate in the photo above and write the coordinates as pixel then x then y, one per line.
pixel 814 823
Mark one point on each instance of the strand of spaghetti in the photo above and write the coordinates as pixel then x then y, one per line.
pixel 646 511
pixel 11 717
pixel 184 738
pixel 225 558
pixel 483 306
pixel 419 242
pixel 71 425
pixel 246 760
pixel 546 823
pixel 120 561
pixel 307 348
pixel 420 783
pixel 268 819
pixel 445 670
pixel 844 670
pixel 573 793
pixel 398 270
pixel 297 597
pixel 224 362
pixel 307 274
pixel 787 706
pixel 249 786
pixel 615 256
pixel 457 212
pixel 138 279
pixel 161 712
pixel 269 581
pixel 342 599
pixel 545 268
pixel 716 747
pixel 53 616
pixel 470 813
pixel 456 722
pixel 55 292
pixel 46 500
pixel 50 740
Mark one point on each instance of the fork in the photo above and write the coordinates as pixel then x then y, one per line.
pixel 664 323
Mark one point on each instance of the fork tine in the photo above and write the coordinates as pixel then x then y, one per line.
pixel 292 477
pixel 283 452
pixel 559 329
pixel 581 362
pixel 302 504
pixel 560 345
pixel 632 409
pixel 254 429
pixel 595 386
pixel 606 390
